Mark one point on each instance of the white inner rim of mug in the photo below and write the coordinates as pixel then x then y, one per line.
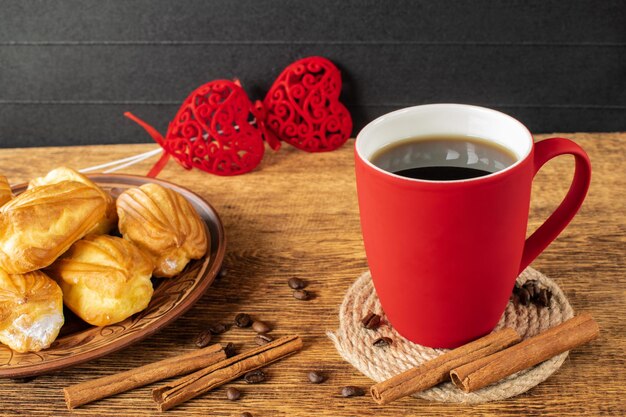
pixel 444 119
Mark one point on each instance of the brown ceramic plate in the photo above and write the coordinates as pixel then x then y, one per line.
pixel 79 342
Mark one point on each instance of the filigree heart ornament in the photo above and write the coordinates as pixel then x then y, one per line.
pixel 217 129
pixel 303 106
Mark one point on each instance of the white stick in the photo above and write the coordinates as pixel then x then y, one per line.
pixel 124 162
pixel 133 162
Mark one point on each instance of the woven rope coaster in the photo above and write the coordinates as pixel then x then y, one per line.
pixel 354 343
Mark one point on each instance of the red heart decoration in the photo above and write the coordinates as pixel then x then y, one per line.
pixel 303 106
pixel 214 131
pixel 219 130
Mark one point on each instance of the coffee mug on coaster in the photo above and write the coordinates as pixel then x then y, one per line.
pixel 444 197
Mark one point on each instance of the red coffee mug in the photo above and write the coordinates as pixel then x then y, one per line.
pixel 444 255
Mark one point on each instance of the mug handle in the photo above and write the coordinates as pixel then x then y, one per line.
pixel 554 225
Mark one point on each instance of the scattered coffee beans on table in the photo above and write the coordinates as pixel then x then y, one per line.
pixel 245 414
pixel 23 380
pixel 218 328
pixel 223 272
pixel 303 295
pixel 352 391
pixel 230 350
pixel 296 283
pixel 316 377
pixel 262 339
pixel 243 320
pixel 233 393
pixel 203 339
pixel 261 327
pixel 254 377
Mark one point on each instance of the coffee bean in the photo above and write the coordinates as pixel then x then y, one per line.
pixel 383 342
pixel 532 287
pixel 515 299
pixel 542 299
pixel 371 321
pixel 302 295
pixel 296 283
pixel 261 327
pixel 351 391
pixel 230 350
pixel 218 328
pixel 245 414
pixel 254 377
pixel 220 275
pixel 524 296
pixel 536 289
pixel 316 377
pixel 262 339
pixel 233 393
pixel 203 339
pixel 23 380
pixel 243 320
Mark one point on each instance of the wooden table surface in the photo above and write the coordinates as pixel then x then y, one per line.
pixel 297 216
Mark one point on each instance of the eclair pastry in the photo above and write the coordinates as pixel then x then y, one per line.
pixel 31 311
pixel 37 226
pixel 164 224
pixel 104 279
pixel 108 221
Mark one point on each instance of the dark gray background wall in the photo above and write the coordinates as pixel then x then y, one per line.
pixel 69 69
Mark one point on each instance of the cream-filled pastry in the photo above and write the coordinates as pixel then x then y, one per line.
pixel 104 279
pixel 164 224
pixel 31 311
pixel 108 221
pixel 37 226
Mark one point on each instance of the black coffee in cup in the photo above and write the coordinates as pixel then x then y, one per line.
pixel 443 157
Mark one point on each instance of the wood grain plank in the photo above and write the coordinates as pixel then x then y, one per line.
pixel 297 215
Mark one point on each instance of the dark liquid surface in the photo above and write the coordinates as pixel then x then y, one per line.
pixel 442 173
pixel 443 157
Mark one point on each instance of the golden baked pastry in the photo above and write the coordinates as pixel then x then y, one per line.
pixel 37 226
pixel 31 311
pixel 5 190
pixel 164 224
pixel 104 279
pixel 108 221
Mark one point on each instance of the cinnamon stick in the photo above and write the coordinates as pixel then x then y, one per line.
pixel 86 392
pixel 485 371
pixel 198 383
pixel 437 370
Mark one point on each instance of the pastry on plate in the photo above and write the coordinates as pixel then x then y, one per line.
pixel 37 226
pixel 108 221
pixel 104 279
pixel 31 311
pixel 5 190
pixel 164 224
